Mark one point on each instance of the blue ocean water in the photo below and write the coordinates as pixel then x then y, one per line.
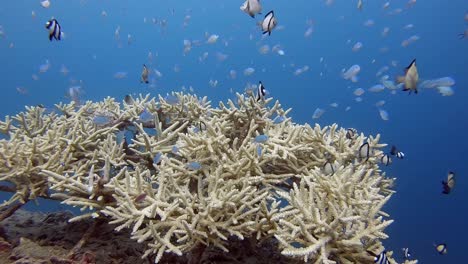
pixel 429 128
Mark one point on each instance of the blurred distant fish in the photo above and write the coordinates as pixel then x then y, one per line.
pixel 44 67
pixel 55 30
pixel 357 46
pixel 463 35
pixel 359 5
pixel 449 184
pixel 351 73
pixel 144 74
pixel 251 7
pixel 212 39
pixel 383 114
pixel 269 22
pixel 406 253
pixel 411 78
pixel 120 75
pixel 377 88
pixel 395 152
pixel 45 4
pixel 318 113
pixel 369 23
pixel 249 71
pixel 441 248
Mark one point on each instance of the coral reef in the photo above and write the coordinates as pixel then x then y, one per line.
pixel 184 178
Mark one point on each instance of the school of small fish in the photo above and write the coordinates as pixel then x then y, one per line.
pixel 390 78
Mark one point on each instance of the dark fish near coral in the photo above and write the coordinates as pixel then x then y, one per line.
pixel 55 30
pixel 364 151
pixel 410 79
pixel 269 22
pixel 351 133
pixel 395 152
pixel 129 99
pixel 386 160
pixel 449 184
pixel 381 258
pixel 261 91
pixel 144 74
pixel 406 253
pixel 329 168
pixel 441 248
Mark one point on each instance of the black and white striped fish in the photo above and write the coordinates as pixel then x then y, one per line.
pixel 395 152
pixel 381 258
pixel 386 160
pixel 55 30
pixel 351 133
pixel 406 253
pixel 261 91
pixel 364 151
pixel 269 22
pixel 441 248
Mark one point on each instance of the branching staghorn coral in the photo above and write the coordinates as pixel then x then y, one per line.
pixel 184 176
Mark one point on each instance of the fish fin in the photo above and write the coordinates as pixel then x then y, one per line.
pixel 269 33
pixel 50 37
pixel 412 62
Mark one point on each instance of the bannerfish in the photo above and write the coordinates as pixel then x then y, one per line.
pixel 55 30
pixel 449 184
pixel 261 91
pixel 251 7
pixel 441 248
pixel 269 23
pixel 406 253
pixel 395 152
pixel 144 74
pixel 411 78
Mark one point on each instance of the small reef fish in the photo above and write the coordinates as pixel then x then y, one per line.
pixel 383 114
pixel 449 184
pixel 359 5
pixel 463 35
pixel 351 133
pixel 386 159
pixel 55 30
pixel 351 73
pixel 144 74
pixel 441 248
pixel 410 79
pixel 261 91
pixel 129 99
pixel 45 4
pixel 395 152
pixel 357 46
pixel 381 258
pixel 269 22
pixel 251 7
pixel 364 151
pixel 406 253
pixel 318 113
pixel 329 168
